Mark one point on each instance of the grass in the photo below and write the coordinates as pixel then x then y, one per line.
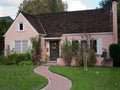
pixel 20 78
pixel 95 78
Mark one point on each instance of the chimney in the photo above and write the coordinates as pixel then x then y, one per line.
pixel 115 27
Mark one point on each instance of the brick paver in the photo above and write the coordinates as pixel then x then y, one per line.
pixel 56 82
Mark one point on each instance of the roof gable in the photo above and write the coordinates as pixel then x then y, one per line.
pixel 18 20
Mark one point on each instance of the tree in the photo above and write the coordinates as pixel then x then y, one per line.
pixel 4 25
pixel 107 4
pixel 42 6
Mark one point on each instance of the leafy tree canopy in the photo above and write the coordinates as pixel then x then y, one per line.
pixel 42 6
pixel 4 25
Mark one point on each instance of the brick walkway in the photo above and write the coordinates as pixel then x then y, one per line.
pixel 56 82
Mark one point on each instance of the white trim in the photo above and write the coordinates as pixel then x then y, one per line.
pixel 77 34
pixel 53 38
pixel 42 26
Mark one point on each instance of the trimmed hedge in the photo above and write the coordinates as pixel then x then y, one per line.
pixel 115 54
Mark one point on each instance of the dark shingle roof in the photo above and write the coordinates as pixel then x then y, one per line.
pixel 88 21
pixel 34 21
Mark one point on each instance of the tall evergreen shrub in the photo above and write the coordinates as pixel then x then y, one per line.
pixel 115 54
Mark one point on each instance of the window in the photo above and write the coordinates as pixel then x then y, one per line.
pixel 93 45
pixel 21 46
pixel 21 26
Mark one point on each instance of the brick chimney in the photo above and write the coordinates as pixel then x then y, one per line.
pixel 115 26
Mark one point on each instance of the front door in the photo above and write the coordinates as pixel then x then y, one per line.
pixel 54 50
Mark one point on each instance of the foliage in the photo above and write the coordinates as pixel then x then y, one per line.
pixel 2 59
pixel 66 52
pixel 94 79
pixel 36 49
pixel 87 52
pixel 42 62
pixel 92 59
pixel 4 25
pixel 83 54
pixel 20 78
pixel 115 54
pixel 26 63
pixel 15 58
pixel 107 4
pixel 42 6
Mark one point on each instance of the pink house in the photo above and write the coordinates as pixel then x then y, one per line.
pixel 53 29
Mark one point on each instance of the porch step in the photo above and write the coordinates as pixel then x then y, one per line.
pixel 51 63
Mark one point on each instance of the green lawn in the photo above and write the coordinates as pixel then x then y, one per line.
pixel 95 78
pixel 20 78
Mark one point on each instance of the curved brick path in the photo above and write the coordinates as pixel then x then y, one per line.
pixel 56 82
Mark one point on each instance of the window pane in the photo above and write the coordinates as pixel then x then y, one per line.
pixel 17 46
pixel 21 26
pixel 24 46
pixel 93 45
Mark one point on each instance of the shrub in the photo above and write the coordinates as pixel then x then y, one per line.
pixel 115 54
pixel 92 59
pixel 2 59
pixel 66 52
pixel 26 63
pixel 17 58
pixel 36 49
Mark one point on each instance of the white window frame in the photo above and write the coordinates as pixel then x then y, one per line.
pixel 21 46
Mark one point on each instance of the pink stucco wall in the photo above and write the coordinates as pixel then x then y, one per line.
pixel 43 48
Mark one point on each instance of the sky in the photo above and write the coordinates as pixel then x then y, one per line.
pixel 10 7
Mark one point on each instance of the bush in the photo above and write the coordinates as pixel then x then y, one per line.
pixel 2 59
pixel 92 59
pixel 66 52
pixel 17 58
pixel 26 63
pixel 115 54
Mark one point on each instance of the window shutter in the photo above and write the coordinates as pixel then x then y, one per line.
pixel 99 46
pixel 70 41
pixel 29 45
pixel 17 26
pixel 12 46
pixel 24 26
pixel 79 41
